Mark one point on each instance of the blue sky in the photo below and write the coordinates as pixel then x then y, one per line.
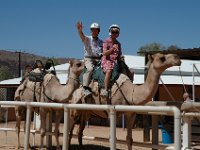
pixel 47 27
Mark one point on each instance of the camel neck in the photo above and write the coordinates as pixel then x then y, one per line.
pixel 72 76
pixel 152 80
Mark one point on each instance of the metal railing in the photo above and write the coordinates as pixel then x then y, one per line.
pixel 162 110
pixel 193 77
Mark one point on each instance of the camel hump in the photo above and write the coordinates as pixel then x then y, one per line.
pixel 122 78
pixel 47 78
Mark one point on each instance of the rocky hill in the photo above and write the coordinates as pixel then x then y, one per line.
pixel 10 61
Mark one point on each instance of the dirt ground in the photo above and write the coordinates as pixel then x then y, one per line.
pixel 8 139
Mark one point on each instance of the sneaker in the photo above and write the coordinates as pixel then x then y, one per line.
pixel 104 93
pixel 87 92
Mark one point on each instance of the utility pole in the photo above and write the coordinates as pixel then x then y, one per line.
pixel 19 63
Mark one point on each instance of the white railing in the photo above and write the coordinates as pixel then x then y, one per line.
pixel 193 77
pixel 188 114
pixel 163 110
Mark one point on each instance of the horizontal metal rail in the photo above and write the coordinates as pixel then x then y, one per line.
pixel 111 108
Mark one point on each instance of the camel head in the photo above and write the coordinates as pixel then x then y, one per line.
pixel 161 62
pixel 76 67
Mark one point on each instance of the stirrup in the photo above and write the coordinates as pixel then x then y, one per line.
pixel 87 92
pixel 104 93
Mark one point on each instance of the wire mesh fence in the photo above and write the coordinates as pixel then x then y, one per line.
pixel 2 98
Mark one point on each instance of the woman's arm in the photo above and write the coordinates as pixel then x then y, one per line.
pixel 106 51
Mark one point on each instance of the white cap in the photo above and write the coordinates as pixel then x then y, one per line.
pixel 94 26
pixel 114 26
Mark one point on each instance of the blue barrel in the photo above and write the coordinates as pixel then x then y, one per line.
pixel 167 138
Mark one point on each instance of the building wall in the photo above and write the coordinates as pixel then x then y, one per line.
pixel 10 94
pixel 177 92
pixel 197 93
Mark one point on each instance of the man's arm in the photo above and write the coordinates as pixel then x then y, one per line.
pixel 79 27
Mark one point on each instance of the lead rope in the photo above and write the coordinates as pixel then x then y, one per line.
pixel 182 80
pixel 171 96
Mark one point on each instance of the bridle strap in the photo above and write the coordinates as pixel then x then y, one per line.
pixel 182 80
pixel 48 96
pixel 122 93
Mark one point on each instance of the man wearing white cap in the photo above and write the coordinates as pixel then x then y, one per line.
pixel 93 50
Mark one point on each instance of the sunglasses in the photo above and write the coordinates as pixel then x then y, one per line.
pixel 115 32
pixel 94 29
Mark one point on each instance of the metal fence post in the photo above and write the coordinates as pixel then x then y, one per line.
pixel 28 122
pixel 66 128
pixel 112 129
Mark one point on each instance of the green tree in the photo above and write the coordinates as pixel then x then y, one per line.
pixel 4 73
pixel 150 47
pixel 173 47
pixel 55 60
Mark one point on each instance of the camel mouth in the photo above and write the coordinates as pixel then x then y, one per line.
pixel 178 63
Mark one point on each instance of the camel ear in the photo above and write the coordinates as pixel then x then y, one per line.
pixel 150 58
pixel 71 63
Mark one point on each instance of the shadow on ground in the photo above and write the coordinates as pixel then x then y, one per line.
pixel 89 147
pixel 85 147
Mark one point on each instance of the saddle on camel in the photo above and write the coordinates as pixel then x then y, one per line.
pixel 98 77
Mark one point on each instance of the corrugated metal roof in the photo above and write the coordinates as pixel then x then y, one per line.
pixel 189 53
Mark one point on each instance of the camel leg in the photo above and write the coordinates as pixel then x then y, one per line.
pixel 57 124
pixel 43 126
pixel 130 121
pixel 20 113
pixel 72 121
pixel 71 128
pixel 80 129
pixel 18 121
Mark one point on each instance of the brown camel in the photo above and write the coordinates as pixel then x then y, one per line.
pixel 49 90
pixel 127 94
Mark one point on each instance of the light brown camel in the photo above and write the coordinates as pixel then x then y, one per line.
pixel 127 94
pixel 49 90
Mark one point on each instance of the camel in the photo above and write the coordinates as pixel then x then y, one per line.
pixel 49 90
pixel 127 94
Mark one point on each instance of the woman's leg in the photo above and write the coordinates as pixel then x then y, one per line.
pixel 107 78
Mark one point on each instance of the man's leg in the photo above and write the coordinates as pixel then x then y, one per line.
pixel 87 75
